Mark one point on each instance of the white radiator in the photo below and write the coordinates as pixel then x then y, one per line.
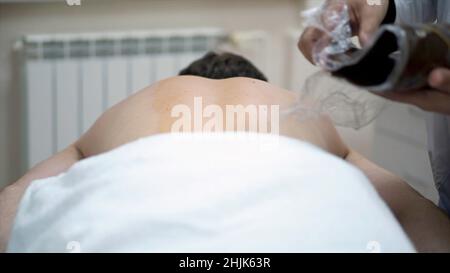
pixel 71 79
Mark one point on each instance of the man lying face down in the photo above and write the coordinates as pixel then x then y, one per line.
pixel 227 79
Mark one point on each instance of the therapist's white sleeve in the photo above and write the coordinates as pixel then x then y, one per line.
pixel 416 11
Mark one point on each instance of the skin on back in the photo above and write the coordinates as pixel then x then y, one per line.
pixel 149 112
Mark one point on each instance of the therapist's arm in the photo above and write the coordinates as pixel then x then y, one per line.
pixel 427 226
pixel 11 195
pixel 432 100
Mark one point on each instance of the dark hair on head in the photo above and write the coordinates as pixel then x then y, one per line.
pixel 223 66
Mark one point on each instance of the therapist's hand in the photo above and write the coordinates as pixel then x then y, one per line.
pixel 434 100
pixel 365 20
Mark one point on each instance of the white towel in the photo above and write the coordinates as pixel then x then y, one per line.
pixel 207 193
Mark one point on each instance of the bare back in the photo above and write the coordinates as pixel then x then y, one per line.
pixel 149 112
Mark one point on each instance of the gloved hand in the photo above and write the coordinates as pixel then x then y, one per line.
pixel 366 16
pixel 365 19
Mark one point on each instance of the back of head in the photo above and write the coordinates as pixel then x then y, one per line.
pixel 223 66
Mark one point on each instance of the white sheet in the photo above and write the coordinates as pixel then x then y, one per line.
pixel 207 193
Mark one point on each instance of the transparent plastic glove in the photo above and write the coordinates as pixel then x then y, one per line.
pixel 333 19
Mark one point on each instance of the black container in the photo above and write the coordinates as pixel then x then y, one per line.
pixel 399 59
